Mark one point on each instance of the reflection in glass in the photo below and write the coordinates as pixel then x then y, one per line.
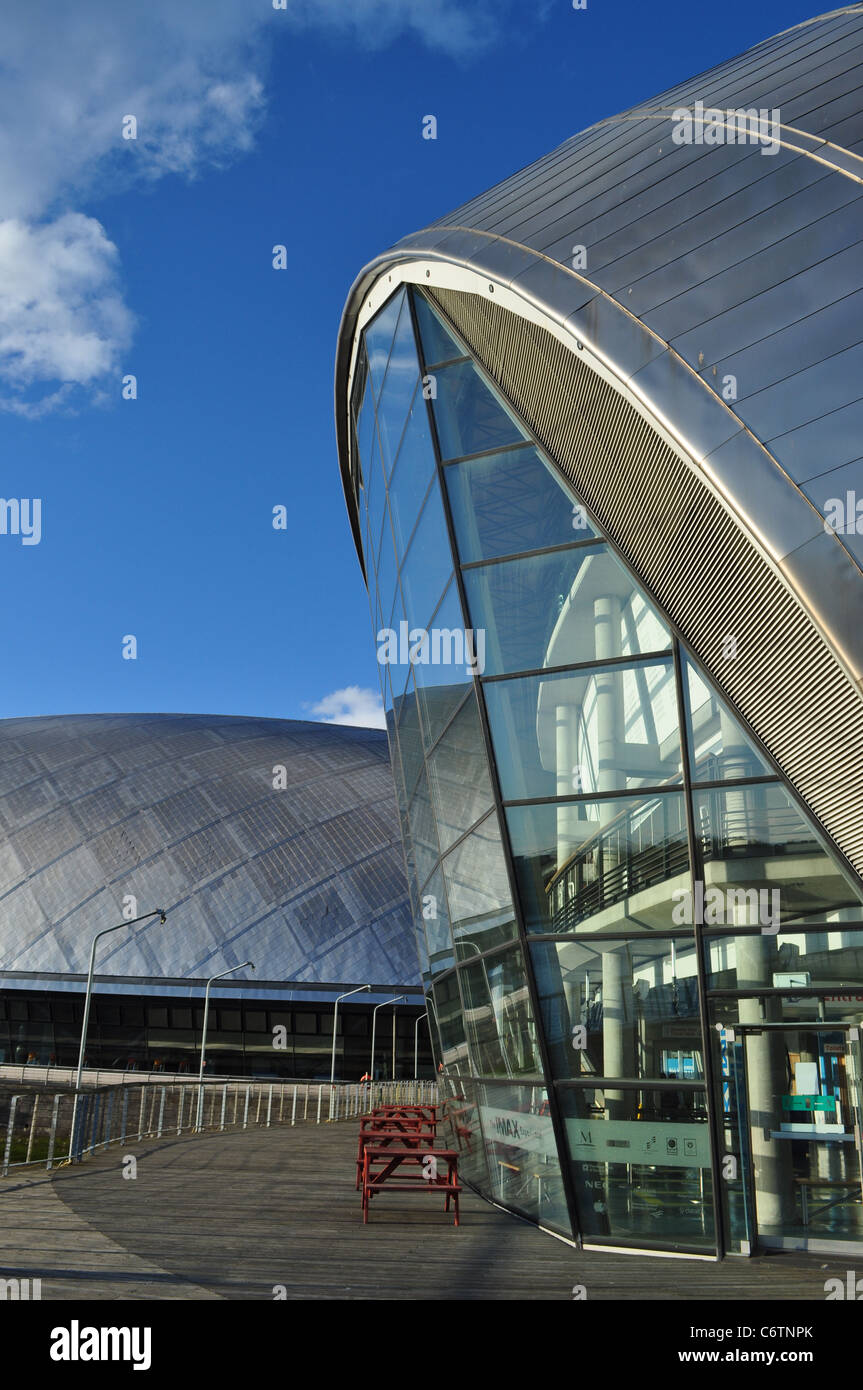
pixel 506 503
pixel 477 884
pixel 450 1021
pixel 443 684
pixel 400 384
pixel 522 1153
pixel 427 566
pixel 571 606
pixel 436 922
pixel 604 729
pixel 755 842
pixel 438 343
pixel 469 417
pixel 459 777
pixel 601 866
pixel 719 749
pixel 410 739
pixel 625 1009
pixel 412 474
pixel 791 961
pixel 500 1025
pixel 378 336
pixel 641 1165
pixel 423 830
pixel 460 1128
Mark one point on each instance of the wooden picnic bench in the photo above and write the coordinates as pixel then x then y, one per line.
pixel 394 1138
pixel 403 1124
pixel 388 1175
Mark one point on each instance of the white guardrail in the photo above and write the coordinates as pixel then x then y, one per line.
pixel 46 1128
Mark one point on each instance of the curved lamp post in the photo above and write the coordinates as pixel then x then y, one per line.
pixel 374 1026
pixel 416 1040
pixel 211 980
pixel 358 990
pixel 157 912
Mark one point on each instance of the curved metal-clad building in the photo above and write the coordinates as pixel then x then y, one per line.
pixel 599 432
pixel 264 839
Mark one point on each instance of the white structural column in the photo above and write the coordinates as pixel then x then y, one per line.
pixel 618 1022
pixel 765 1066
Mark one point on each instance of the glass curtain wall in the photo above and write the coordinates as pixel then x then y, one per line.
pixel 594 845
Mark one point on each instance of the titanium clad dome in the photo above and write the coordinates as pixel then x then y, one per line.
pixel 181 811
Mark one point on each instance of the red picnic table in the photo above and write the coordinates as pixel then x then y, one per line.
pixel 392 1138
pixel 404 1124
pixel 429 1179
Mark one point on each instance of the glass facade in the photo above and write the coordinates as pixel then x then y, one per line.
pixel 609 877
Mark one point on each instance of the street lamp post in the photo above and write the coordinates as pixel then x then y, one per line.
pixel 157 912
pixel 374 1026
pixel 211 981
pixel 416 1040
pixel 358 990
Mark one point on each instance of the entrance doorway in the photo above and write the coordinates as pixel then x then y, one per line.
pixel 791 1102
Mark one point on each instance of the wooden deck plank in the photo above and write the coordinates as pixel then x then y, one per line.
pixel 233 1216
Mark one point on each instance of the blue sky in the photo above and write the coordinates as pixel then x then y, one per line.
pixel 154 257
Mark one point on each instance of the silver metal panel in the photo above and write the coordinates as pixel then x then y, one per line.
pixel 680 397
pixel 809 340
pixel 749 320
pixel 805 396
pixel 745 472
pixel 749 235
pixel 834 486
pixel 832 440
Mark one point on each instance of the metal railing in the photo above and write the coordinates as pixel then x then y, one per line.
pixel 49 1129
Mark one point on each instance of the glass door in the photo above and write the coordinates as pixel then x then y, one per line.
pixel 793 1096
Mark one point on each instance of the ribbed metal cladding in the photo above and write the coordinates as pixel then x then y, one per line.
pixel 700 565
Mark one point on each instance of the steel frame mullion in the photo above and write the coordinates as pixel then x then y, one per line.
pixel 695 872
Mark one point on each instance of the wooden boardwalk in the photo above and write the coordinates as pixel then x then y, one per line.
pixel 234 1216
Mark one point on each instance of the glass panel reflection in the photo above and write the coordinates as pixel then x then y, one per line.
pixel 412 474
pixel 477 884
pixel 459 777
pixel 505 503
pixel 792 961
pixel 719 749
pixel 500 1025
pixel 423 830
pixel 522 1153
pixel 620 1008
pixel 606 729
pixel 461 1130
pixel 469 417
pixel 764 864
pixel 443 684
pixel 427 566
pixel 450 1022
pixel 601 866
pixel 640 1163
pixel 568 607
pixel 400 384
pixel 436 921
pixel 378 336
pixel 438 343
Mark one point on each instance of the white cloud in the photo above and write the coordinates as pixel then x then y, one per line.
pixel 351 705
pixel 62 316
pixel 192 73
